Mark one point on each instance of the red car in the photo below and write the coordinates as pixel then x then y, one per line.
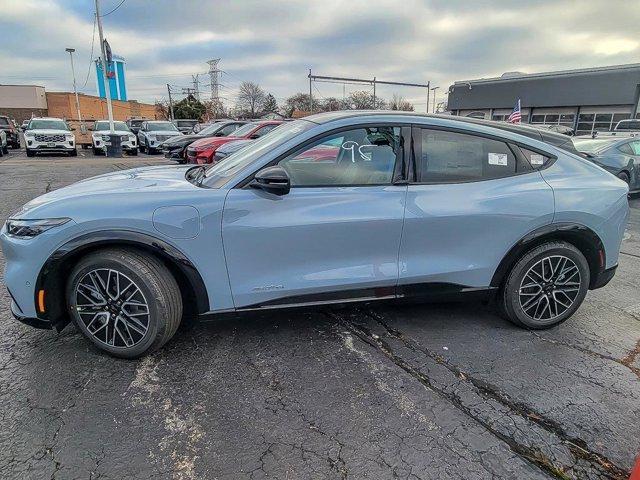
pixel 202 151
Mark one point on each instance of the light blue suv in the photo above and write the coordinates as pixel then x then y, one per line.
pixel 338 207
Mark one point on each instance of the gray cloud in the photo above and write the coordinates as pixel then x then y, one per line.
pixel 274 43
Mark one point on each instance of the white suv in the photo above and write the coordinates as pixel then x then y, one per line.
pixel 153 133
pixel 49 135
pixel 100 136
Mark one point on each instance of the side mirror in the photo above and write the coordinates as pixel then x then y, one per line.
pixel 273 180
pixel 254 136
pixel 72 129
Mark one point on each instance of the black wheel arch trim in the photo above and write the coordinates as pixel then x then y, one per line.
pixel 57 265
pixel 581 236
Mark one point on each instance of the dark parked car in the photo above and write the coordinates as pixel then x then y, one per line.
pixel 134 124
pixel 617 154
pixel 176 147
pixel 13 135
pixel 185 125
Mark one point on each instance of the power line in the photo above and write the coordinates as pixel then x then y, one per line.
pixel 111 11
pixel 93 38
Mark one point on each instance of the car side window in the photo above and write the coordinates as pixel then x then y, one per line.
pixel 535 159
pixel 626 149
pixel 635 147
pixel 450 157
pixel 362 156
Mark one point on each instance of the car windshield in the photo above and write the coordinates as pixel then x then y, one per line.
pixel 159 126
pixel 48 125
pixel 211 129
pixel 118 126
pixel 136 123
pixel 218 174
pixel 593 145
pixel 186 123
pixel 245 129
pixel 628 125
pixel 4 121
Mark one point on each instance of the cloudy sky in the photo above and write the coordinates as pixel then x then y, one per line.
pixel 274 43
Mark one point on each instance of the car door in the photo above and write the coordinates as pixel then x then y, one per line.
pixel 472 199
pixel 334 237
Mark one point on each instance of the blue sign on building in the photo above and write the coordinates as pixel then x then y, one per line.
pixel 116 76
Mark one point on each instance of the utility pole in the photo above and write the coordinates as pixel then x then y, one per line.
pixel 105 66
pixel 428 85
pixel 170 103
pixel 310 95
pixel 374 93
pixel 75 90
pixel 434 98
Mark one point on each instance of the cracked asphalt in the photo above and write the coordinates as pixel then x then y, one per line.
pixel 414 392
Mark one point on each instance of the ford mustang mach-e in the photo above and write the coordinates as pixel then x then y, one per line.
pixel 336 207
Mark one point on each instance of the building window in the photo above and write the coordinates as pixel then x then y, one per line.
pixel 504 118
pixel 565 119
pixel 598 122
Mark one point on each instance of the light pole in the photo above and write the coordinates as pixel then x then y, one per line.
pixel 434 98
pixel 75 90
pixel 114 140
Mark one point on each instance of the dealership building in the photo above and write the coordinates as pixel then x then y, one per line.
pixel 587 100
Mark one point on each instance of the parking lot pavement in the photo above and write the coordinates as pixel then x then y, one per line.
pixel 422 391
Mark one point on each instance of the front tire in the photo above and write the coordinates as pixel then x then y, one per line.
pixel 124 301
pixel 73 153
pixel 546 286
pixel 30 153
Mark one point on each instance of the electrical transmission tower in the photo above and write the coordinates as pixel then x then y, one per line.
pixel 215 80
pixel 196 85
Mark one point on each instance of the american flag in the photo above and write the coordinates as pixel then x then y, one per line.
pixel 515 116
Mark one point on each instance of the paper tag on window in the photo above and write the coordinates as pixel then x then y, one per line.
pixel 537 159
pixel 498 159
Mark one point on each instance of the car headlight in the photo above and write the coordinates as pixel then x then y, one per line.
pixel 132 138
pixel 32 228
pixel 152 137
pixel 29 134
pixel 69 136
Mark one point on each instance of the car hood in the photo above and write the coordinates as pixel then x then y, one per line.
pixel 213 142
pixel 181 140
pixel 49 131
pixel 164 132
pixel 147 179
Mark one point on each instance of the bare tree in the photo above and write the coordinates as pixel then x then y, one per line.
pixel 214 109
pixel 399 103
pixel 250 99
pixel 298 101
pixel 363 100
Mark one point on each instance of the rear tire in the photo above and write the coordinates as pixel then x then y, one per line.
pixel 126 302
pixel 546 286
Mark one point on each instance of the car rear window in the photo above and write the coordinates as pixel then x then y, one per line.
pixel 4 121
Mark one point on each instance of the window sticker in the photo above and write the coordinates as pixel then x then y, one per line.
pixel 537 159
pixel 498 159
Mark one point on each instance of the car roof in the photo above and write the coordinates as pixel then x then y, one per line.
pixel 547 136
pixel 47 118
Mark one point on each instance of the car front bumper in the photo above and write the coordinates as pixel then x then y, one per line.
pixel 34 322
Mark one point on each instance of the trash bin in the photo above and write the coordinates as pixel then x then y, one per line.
pixel 114 145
